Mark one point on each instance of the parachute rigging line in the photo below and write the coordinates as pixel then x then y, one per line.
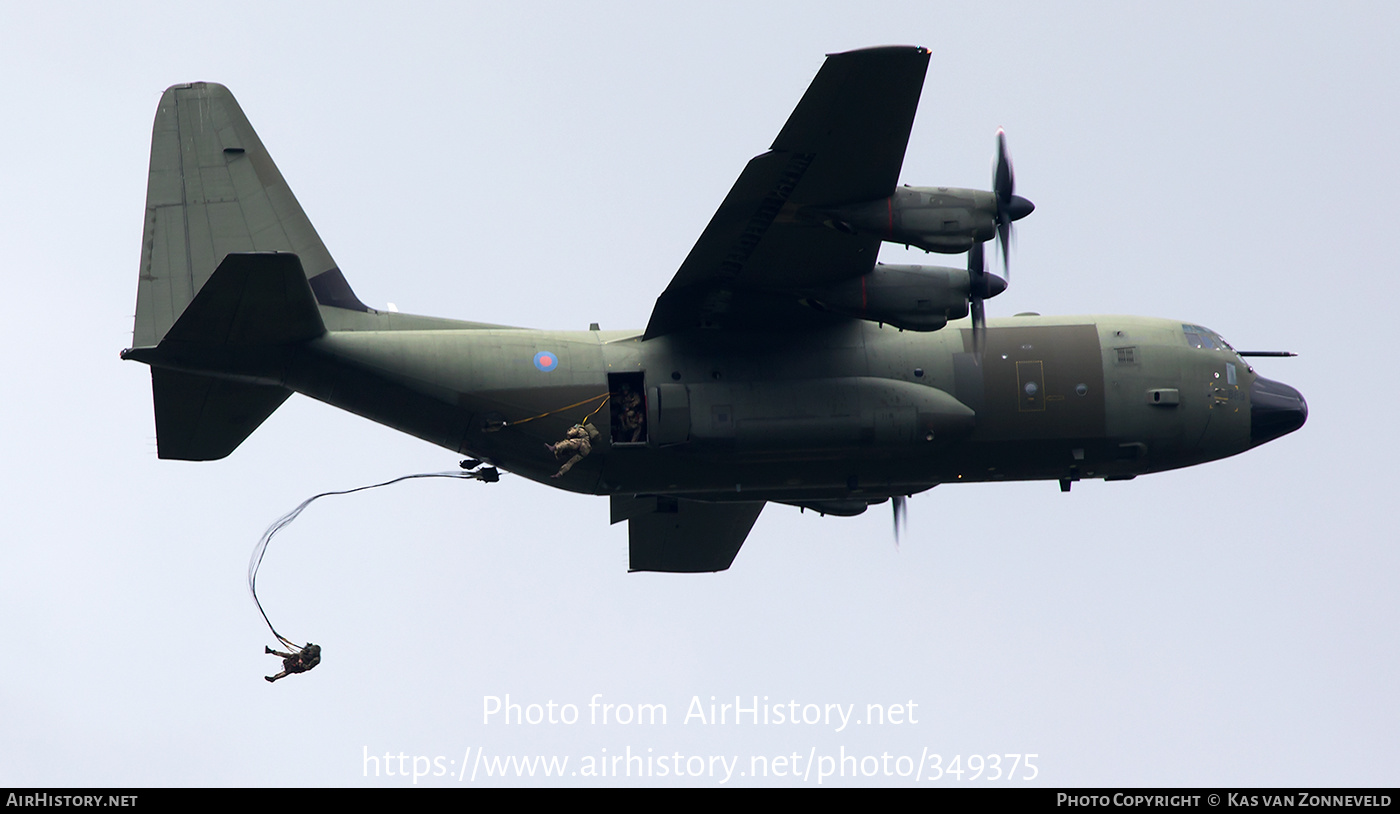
pixel 500 425
pixel 280 523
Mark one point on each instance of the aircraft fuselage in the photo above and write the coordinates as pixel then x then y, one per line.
pixel 855 410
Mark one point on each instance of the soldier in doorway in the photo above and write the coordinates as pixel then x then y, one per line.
pixel 632 421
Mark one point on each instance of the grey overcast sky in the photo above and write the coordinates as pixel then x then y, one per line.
pixel 549 165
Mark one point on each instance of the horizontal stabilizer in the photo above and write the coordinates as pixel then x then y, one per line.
pixel 201 418
pixel 251 302
pixel 252 299
pixel 683 536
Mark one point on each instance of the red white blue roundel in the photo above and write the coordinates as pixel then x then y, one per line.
pixel 546 361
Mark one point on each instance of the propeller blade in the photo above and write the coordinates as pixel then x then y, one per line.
pixel 979 327
pixel 1004 238
pixel 900 514
pixel 1004 180
pixel 977 292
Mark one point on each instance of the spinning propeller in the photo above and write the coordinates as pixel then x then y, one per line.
pixel 1010 206
pixel 981 286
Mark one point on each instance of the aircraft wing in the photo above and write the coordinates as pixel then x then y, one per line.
pixel 843 144
pixel 683 536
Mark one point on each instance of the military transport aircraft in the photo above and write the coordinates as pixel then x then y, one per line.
pixel 783 363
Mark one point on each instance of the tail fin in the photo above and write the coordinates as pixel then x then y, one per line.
pixel 214 190
pixel 215 200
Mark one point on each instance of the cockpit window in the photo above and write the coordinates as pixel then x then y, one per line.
pixel 1198 337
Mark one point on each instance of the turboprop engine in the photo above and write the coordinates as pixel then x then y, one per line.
pixel 913 298
pixel 946 220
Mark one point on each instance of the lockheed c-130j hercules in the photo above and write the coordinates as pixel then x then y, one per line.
pixel 783 363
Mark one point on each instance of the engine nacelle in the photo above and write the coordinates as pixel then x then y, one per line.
pixel 936 219
pixel 914 298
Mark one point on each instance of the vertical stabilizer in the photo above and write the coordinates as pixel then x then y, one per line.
pixel 214 190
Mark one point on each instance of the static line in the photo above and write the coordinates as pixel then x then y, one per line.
pixel 261 548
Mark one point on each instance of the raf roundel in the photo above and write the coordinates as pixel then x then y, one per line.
pixel 546 361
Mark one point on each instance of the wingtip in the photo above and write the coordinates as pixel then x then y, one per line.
pixel 916 49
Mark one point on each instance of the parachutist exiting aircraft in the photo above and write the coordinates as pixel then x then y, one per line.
pixel 782 363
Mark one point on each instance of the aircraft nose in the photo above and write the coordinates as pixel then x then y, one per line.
pixel 1275 409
